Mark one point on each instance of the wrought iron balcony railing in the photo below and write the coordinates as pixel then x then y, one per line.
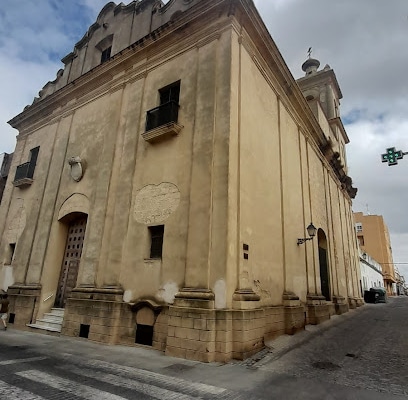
pixel 24 174
pixel 161 115
pixel 24 171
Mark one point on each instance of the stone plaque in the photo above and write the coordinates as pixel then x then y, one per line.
pixel 155 203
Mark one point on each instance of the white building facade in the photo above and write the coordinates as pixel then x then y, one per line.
pixel 371 272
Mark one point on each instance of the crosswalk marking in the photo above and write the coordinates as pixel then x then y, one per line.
pixel 8 392
pixel 66 385
pixel 145 388
pixel 156 378
pixel 22 360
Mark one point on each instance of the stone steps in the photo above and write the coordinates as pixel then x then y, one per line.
pixel 51 321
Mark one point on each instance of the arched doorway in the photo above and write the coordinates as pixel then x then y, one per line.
pixel 324 265
pixel 72 256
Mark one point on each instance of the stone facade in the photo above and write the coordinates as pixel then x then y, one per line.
pixel 197 162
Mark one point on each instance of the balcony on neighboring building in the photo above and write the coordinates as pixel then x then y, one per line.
pixel 161 122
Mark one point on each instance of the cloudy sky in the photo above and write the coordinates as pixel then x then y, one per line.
pixel 364 41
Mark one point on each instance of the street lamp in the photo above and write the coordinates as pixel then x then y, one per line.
pixel 311 230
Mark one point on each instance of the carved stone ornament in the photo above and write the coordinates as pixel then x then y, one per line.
pixel 77 170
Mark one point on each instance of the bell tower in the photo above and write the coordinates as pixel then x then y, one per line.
pixel 321 86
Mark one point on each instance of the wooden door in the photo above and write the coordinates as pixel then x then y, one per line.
pixel 70 263
pixel 324 273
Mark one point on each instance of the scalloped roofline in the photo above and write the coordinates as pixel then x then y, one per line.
pixel 117 8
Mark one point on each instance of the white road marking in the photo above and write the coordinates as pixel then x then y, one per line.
pixel 8 392
pixel 22 360
pixel 145 388
pixel 66 385
pixel 156 378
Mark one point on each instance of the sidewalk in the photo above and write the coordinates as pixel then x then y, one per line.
pixel 154 359
pixel 278 347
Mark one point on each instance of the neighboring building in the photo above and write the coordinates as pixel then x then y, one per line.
pixel 163 180
pixel 400 284
pixel 374 239
pixel 371 272
pixel 5 162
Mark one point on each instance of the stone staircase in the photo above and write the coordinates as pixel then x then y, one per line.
pixel 51 321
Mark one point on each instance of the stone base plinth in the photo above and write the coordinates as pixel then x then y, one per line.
pixel 352 303
pixel 316 314
pixel 197 331
pixel 95 313
pixel 24 303
pixel 111 320
pixel 318 309
pixel 294 311
pixel 340 304
pixel 295 319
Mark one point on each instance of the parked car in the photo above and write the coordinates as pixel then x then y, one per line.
pixel 375 295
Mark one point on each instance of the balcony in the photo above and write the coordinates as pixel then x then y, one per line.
pixel 24 175
pixel 161 122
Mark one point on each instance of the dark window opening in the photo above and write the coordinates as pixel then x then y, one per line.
pixel 156 241
pixel 12 249
pixel 167 111
pixel 170 93
pixel 144 334
pixel 106 54
pixel 84 331
pixel 12 317
pixel 246 256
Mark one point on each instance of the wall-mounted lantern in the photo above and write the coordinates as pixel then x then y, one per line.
pixel 311 230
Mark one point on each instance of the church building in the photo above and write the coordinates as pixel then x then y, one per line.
pixel 174 186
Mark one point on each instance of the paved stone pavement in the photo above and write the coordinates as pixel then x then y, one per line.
pixel 360 355
pixel 367 349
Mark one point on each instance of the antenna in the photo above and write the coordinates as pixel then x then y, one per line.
pixel 309 52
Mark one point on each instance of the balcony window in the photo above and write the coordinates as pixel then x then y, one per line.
pixel 162 120
pixel 165 113
pixel 25 172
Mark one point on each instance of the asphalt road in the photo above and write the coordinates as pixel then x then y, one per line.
pixel 360 355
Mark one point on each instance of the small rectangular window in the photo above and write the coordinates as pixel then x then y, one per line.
pixel 106 54
pixel 156 241
pixel 359 227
